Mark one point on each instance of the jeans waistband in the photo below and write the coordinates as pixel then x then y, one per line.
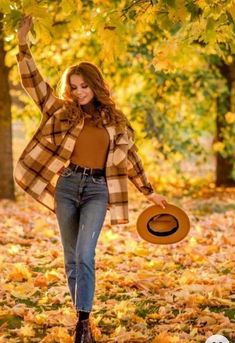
pixel 87 171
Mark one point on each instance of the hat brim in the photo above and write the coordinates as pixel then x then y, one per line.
pixel 169 237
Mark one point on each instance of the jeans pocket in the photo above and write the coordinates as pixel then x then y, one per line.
pixel 98 179
pixel 66 172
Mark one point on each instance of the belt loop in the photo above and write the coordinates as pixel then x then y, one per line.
pixel 84 171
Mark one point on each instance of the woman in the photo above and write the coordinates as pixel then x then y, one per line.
pixel 84 128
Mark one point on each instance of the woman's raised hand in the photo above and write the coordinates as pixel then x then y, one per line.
pixel 24 28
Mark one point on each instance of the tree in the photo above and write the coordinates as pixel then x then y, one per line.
pixel 209 25
pixel 226 113
pixel 6 181
pixel 143 50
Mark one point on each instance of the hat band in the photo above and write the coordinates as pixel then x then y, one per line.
pixel 166 233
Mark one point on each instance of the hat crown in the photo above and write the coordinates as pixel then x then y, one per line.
pixel 163 222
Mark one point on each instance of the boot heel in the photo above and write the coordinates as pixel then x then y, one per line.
pixel 83 333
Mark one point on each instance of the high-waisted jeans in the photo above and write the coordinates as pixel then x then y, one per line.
pixel 81 202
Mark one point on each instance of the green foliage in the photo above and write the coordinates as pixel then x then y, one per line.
pixel 11 20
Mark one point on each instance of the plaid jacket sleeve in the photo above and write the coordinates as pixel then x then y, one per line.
pixel 135 170
pixel 34 84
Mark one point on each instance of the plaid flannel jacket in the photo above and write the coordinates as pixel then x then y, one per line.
pixel 49 150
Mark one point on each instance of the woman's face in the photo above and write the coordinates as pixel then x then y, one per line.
pixel 80 89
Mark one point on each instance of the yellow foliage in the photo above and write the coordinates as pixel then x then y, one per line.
pixel 173 53
pixel 218 146
pixel 212 249
pixel 164 337
pixel 231 8
pixel 124 309
pixel 14 249
pixel 229 59
pixel 20 272
pixel 41 318
pixel 178 13
pixel 69 6
pixel 230 117
pixel 49 233
pixel 122 335
pixel 112 35
pixel 42 29
pixel 43 300
pixel 192 241
pixel 37 11
pixel 52 275
pixel 5 6
pixel 41 227
pixel 143 21
pixel 24 290
pixel 177 156
pixel 153 280
pixel 202 3
pixel 154 316
pixel 57 334
pixel 26 331
pixel 187 277
pixel 41 281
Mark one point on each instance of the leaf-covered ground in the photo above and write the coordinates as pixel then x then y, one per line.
pixel 183 292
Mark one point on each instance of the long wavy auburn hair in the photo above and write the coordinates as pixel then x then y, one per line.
pixel 107 112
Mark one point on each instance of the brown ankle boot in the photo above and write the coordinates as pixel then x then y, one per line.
pixel 83 333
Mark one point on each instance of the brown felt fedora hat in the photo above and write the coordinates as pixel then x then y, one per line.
pixel 163 225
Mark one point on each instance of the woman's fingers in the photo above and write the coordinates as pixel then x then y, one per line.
pixel 158 199
pixel 24 26
pixel 27 21
pixel 163 203
pixel 27 16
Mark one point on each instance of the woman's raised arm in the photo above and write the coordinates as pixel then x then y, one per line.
pixel 32 81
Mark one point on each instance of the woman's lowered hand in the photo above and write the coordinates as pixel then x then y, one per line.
pixel 157 199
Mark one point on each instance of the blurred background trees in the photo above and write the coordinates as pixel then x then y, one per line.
pixel 170 67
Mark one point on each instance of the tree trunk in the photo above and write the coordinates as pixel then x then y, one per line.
pixel 225 103
pixel 6 160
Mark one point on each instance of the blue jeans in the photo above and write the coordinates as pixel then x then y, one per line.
pixel 81 202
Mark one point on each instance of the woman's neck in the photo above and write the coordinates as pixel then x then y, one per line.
pixel 89 108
